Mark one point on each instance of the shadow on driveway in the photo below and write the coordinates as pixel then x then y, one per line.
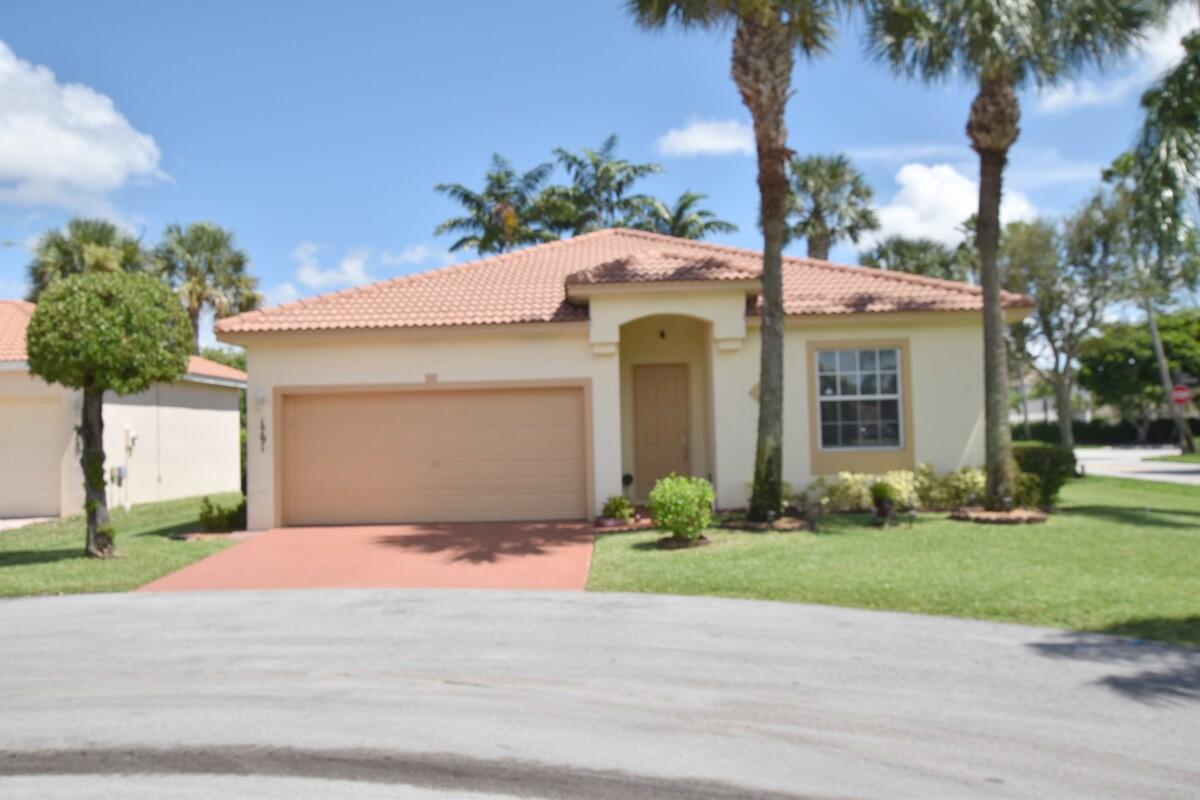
pixel 487 543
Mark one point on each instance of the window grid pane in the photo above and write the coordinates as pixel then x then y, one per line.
pixel 859 398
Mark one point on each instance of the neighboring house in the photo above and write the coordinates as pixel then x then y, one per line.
pixel 534 384
pixel 175 440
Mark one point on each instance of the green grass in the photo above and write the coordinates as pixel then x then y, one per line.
pixel 47 558
pixel 1121 556
pixel 1187 458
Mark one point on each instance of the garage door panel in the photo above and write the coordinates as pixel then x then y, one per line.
pixel 433 456
pixel 31 447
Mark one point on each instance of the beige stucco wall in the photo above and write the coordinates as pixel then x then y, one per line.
pixel 946 393
pixel 437 358
pixel 178 440
pixel 187 440
pixel 668 340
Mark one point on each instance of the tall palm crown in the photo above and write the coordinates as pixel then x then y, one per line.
pixel 504 215
pixel 207 270
pixel 683 219
pixel 767 35
pixel 916 256
pixel 1000 45
pixel 599 194
pixel 831 201
pixel 1167 152
pixel 86 245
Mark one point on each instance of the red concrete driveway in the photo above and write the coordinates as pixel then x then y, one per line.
pixel 532 555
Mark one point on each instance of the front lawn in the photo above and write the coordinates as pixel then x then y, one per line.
pixel 47 558
pixel 1121 556
pixel 1183 458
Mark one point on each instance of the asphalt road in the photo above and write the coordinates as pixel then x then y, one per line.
pixel 366 694
pixel 1137 463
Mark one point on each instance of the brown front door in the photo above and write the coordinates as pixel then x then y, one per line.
pixel 660 413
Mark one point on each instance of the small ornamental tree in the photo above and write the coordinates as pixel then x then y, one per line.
pixel 101 332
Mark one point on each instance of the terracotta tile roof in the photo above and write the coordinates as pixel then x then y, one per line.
pixel 14 319
pixel 206 368
pixel 530 286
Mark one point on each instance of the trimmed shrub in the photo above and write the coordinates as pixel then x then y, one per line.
pixel 1028 491
pixel 221 519
pixel 1051 464
pixel 618 507
pixel 1103 432
pixel 851 491
pixel 963 487
pixel 682 506
pixel 884 492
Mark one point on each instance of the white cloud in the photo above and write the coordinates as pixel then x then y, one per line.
pixel 934 200
pixel 350 271
pixel 1160 51
pixel 415 254
pixel 65 144
pixel 708 138
pixel 285 292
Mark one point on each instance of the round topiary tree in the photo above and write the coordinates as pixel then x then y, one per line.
pixel 98 332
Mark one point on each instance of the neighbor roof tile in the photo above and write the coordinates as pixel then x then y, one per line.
pixel 14 320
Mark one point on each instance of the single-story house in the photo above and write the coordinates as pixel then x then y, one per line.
pixel 176 440
pixel 535 384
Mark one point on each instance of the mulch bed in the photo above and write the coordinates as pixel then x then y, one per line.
pixel 204 536
pixel 1018 516
pixel 674 543
pixel 784 524
pixel 606 525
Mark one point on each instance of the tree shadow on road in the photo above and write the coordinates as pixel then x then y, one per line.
pixel 1152 672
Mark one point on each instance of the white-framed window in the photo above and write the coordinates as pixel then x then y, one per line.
pixel 859 399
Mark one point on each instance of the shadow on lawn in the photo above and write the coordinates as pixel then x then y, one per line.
pixel 1168 673
pixel 486 543
pixel 25 558
pixel 1124 515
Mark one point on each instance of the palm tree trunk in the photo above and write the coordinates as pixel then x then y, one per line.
pixel 99 529
pixel 1001 479
pixel 1186 441
pixel 818 247
pixel 194 316
pixel 1066 417
pixel 762 70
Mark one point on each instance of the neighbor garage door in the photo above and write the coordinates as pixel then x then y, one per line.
pixel 30 450
pixel 433 456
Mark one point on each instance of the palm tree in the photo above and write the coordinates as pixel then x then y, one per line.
pixel 504 215
pixel 767 34
pixel 86 245
pixel 831 201
pixel 1166 168
pixel 682 219
pixel 599 193
pixel 204 266
pixel 915 256
pixel 1000 45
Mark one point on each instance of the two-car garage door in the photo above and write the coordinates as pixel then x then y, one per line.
pixel 31 447
pixel 433 456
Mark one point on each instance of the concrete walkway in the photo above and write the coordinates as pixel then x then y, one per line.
pixel 15 523
pixel 1134 462
pixel 537 555
pixel 574 695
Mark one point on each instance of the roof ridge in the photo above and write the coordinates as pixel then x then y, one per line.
pixel 902 277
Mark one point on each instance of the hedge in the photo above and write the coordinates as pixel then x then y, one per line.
pixel 1103 432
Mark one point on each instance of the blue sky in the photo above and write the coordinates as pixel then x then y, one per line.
pixel 316 130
